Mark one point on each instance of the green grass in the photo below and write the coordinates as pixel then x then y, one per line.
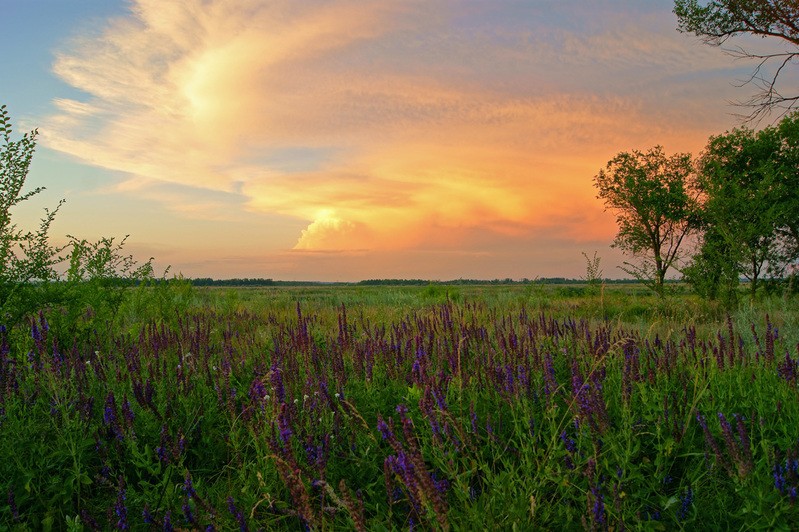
pixel 377 407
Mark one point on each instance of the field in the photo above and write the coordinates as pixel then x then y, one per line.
pixel 387 407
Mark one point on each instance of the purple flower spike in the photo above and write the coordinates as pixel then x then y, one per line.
pixel 686 501
pixel 120 509
pixel 12 505
pixel 237 514
pixel 188 486
pixel 599 506
pixel 385 431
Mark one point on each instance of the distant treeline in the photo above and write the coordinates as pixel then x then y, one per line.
pixel 506 281
pixel 208 281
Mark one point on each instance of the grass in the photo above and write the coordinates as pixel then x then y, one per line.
pixel 374 407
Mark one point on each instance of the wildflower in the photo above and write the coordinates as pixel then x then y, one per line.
pixel 188 515
pixel 276 378
pixel 385 431
pixel 685 504
pixel 570 444
pixel 127 411
pixel 147 516
pixel 599 506
pixel 284 424
pixel 237 514
pixel 779 478
pixel 12 505
pixel 168 521
pixel 111 417
pixel 120 509
pixel 473 417
pixel 188 486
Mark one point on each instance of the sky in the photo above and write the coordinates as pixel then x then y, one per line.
pixel 341 140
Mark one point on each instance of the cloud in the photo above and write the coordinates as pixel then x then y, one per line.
pixel 416 125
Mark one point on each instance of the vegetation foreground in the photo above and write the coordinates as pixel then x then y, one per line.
pixel 402 407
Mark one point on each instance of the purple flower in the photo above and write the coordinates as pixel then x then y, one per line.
pixel 284 423
pixel 12 505
pixel 276 378
pixel 181 441
pixel 599 506
pixel 120 509
pixel 127 411
pixel 473 417
pixel 35 333
pixel 570 444
pixel 779 478
pixel 188 515
pixel 188 486
pixel 385 431
pixel 147 516
pixel 237 514
pixel 550 383
pixel 686 501
pixel 109 415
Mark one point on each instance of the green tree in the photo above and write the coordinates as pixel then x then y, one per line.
pixel 717 21
pixel 655 208
pixel 98 271
pixel 748 181
pixel 26 257
pixel 788 164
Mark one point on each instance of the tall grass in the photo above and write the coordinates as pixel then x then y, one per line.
pixel 396 407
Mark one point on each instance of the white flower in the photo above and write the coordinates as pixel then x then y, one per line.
pixel 337 395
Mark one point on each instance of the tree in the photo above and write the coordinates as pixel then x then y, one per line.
pixel 25 256
pixel 719 20
pixel 655 208
pixel 750 190
pixel 29 279
pixel 788 164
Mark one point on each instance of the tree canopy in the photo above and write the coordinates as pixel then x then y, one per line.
pixel 750 190
pixel 715 22
pixel 651 195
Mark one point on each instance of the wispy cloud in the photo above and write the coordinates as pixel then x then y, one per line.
pixel 417 124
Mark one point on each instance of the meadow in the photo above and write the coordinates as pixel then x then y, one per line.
pixel 392 407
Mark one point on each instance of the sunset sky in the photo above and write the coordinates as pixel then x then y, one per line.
pixel 340 140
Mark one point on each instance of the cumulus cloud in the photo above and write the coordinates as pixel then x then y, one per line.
pixel 417 123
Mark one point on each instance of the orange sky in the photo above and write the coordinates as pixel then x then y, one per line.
pixel 347 140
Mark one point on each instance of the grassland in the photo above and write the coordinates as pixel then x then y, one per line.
pixel 387 407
